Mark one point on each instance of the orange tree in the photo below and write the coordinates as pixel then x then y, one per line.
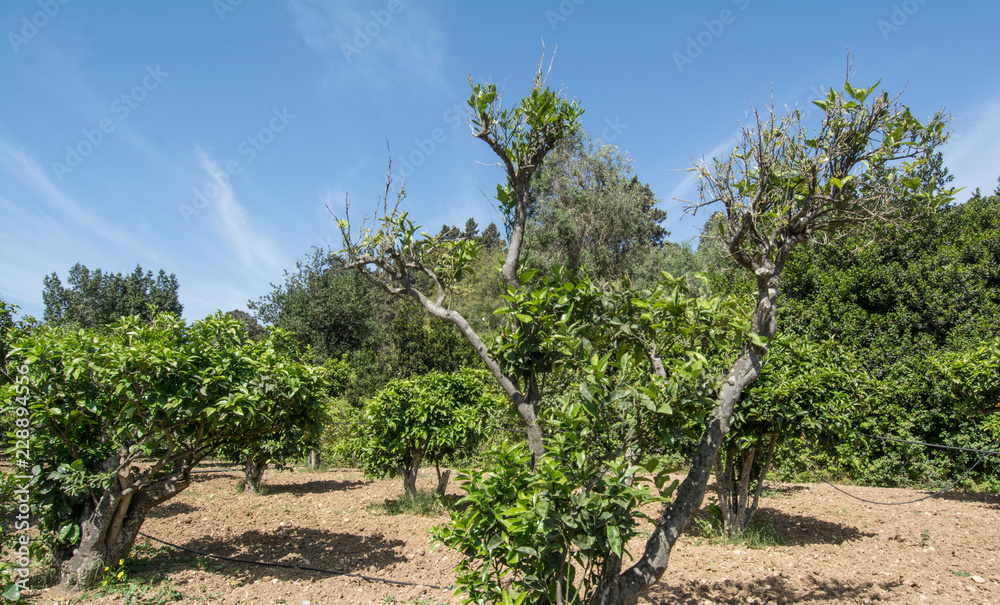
pixel 781 186
pixel 424 419
pixel 120 417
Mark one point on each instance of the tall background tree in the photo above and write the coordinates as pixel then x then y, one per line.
pixel 590 210
pixel 331 310
pixel 94 299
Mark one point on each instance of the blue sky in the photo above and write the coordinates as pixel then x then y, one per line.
pixel 206 137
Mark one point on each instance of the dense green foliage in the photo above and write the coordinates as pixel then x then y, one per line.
pixel 425 419
pixel 95 299
pixel 552 531
pixel 119 417
pixel 528 534
pixel 332 311
pixel 922 295
pixel 807 393
pixel 592 211
pixel 293 443
pixel 640 366
pixel 613 366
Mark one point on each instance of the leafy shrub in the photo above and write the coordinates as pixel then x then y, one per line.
pixel 526 532
pixel 428 418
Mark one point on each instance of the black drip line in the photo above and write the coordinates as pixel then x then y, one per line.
pixel 986 453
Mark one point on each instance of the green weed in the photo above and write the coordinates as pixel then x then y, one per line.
pixel 425 504
pixel 757 535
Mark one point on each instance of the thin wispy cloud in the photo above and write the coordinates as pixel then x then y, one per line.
pixel 256 252
pixel 24 170
pixel 974 148
pixel 380 45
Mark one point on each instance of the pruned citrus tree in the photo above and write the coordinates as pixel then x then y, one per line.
pixel 392 252
pixel 424 419
pixel 628 352
pixel 119 418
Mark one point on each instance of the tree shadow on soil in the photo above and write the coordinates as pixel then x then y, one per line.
pixel 169 510
pixel 991 500
pixel 319 486
pixel 781 491
pixel 798 530
pixel 335 551
pixel 773 589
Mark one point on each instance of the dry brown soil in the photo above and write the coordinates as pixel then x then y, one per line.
pixel 836 550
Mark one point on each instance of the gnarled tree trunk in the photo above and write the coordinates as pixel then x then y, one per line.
pixel 254 473
pixel 409 473
pixel 111 527
pixel 630 584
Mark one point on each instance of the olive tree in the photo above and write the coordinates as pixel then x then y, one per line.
pixel 120 417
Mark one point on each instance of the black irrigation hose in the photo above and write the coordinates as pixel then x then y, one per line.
pixel 943 447
pixel 937 493
pixel 288 566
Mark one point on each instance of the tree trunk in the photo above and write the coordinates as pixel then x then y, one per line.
pixel 111 527
pixel 442 480
pixel 734 491
pixel 409 473
pixel 254 473
pixel 763 475
pixel 608 582
pixel 315 460
pixel 738 508
pixel 636 580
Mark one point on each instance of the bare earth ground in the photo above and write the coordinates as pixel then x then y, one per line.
pixel 836 550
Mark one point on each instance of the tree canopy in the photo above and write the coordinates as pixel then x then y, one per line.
pixel 95 299
pixel 780 187
pixel 592 211
pixel 122 415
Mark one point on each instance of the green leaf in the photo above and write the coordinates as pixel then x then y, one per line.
pixel 614 539
pixel 12 592
pixel 526 275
